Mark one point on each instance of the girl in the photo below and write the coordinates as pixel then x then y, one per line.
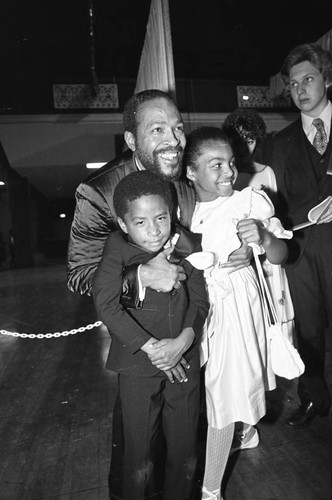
pixel 234 348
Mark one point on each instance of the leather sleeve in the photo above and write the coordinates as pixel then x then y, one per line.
pixel 91 225
pixel 130 290
pixel 94 219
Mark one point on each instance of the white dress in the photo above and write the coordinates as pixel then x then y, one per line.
pixel 265 179
pixel 234 346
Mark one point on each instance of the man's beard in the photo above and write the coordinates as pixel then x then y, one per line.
pixel 153 163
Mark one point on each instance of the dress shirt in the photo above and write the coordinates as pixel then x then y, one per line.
pixel 310 130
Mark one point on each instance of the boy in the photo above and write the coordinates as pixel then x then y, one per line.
pixel 147 346
pixel 302 163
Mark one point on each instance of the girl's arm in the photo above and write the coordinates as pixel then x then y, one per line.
pixel 253 231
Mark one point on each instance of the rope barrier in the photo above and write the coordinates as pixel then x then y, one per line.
pixel 65 333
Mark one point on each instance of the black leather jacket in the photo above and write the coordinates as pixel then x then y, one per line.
pixel 95 218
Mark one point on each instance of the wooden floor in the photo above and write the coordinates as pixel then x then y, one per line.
pixel 56 408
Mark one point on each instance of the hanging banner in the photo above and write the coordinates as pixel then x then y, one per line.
pixel 156 69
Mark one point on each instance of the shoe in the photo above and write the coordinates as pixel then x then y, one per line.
pixel 245 440
pixel 303 416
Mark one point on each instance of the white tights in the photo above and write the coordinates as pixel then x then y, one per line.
pixel 218 444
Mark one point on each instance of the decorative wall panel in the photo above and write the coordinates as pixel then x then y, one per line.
pixel 70 96
pixel 252 96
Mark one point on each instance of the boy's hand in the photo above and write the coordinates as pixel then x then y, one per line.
pixel 166 353
pixel 178 372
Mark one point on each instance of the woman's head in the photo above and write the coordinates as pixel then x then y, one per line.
pixel 249 124
pixel 210 162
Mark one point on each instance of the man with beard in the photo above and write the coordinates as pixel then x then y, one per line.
pixel 154 133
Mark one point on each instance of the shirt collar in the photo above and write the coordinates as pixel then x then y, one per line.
pixel 137 163
pixel 326 116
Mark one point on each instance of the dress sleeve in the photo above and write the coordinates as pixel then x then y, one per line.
pixel 262 208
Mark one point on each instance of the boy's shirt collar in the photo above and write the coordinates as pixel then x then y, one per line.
pixel 309 128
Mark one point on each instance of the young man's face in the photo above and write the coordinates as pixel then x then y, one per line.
pixel 160 138
pixel 215 172
pixel 308 88
pixel 147 222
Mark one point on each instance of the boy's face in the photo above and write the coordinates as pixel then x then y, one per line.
pixel 308 88
pixel 147 222
pixel 215 172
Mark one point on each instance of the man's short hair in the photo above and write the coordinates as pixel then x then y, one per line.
pixel 136 185
pixel 315 54
pixel 131 107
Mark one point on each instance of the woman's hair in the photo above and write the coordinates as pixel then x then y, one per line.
pixel 249 125
pixel 130 111
pixel 315 54
pixel 136 185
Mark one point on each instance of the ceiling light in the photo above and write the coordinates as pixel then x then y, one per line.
pixel 96 164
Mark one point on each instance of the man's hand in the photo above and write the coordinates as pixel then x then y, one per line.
pixel 240 258
pixel 160 275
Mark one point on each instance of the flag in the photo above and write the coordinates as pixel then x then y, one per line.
pixel 156 69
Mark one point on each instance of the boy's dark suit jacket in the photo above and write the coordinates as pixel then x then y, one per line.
pixel 303 182
pixel 295 163
pixel 163 315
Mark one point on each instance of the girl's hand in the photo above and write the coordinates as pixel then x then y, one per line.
pixel 251 231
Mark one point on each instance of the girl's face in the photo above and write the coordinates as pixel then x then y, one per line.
pixel 214 172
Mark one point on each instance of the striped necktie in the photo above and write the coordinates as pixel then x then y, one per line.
pixel 320 139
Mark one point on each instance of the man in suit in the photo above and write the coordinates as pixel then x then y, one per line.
pixel 302 162
pixel 154 134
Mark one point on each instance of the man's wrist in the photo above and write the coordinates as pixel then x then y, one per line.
pixel 143 276
pixel 141 288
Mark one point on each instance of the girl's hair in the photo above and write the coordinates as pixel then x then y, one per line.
pixel 315 54
pixel 136 185
pixel 201 136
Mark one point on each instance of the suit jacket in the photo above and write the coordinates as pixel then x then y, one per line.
pixel 95 218
pixel 163 315
pixel 294 161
